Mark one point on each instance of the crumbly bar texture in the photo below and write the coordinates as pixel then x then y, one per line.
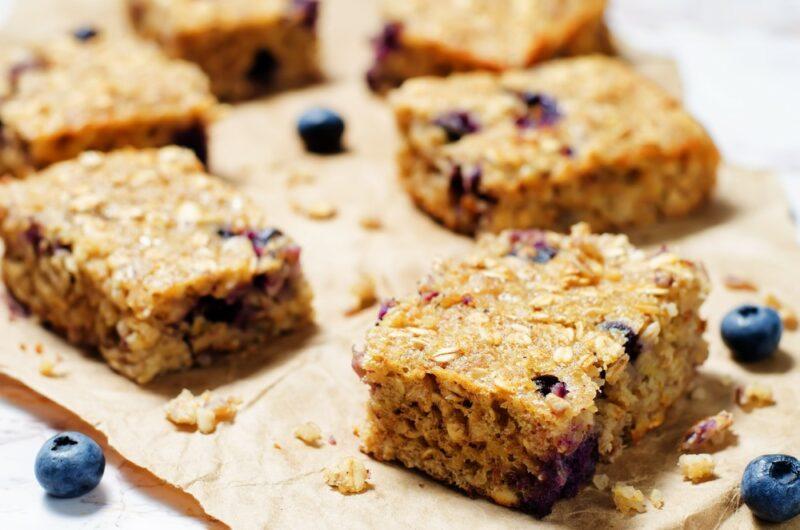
pixel 422 38
pixel 513 371
pixel 575 140
pixel 68 95
pixel 150 260
pixel 246 47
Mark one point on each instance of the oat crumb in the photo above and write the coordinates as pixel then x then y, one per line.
pixel 697 468
pixel 754 395
pixel 348 477
pixel 49 366
pixel 787 314
pixel 23 346
pixel 628 499
pixel 657 499
pixel 300 178
pixel 38 348
pixel 205 411
pixel 309 433
pixel 370 222
pixel 320 210
pixel 601 481
pixel 363 294
pixel 708 432
pixel 739 283
pixel 276 445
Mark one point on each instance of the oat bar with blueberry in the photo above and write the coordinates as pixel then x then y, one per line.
pixel 92 91
pixel 144 256
pixel 246 47
pixel 424 37
pixel 512 372
pixel 575 140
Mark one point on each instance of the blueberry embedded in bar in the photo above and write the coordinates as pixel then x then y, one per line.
pixel 510 375
pixel 144 256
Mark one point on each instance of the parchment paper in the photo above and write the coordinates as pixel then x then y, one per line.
pixel 239 477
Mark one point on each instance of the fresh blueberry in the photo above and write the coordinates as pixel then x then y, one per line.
pixel 321 130
pixel 752 332
pixel 85 33
pixel 69 465
pixel 771 487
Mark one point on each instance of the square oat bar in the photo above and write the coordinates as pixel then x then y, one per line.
pixel 246 47
pixel 513 371
pixel 93 92
pixel 575 140
pixel 146 257
pixel 424 37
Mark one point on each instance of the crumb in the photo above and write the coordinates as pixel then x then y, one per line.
pixel 699 394
pixel 787 314
pixel 357 431
pixel 204 411
pixel 349 476
pixel 331 440
pixel 421 485
pixel 738 283
pixel 697 468
pixel 299 178
pixel 753 396
pixel 600 481
pixel 370 222
pixel 309 433
pixel 364 294
pixel 23 346
pixel 320 210
pixel 276 445
pixel 628 499
pixel 38 348
pixel 657 499
pixel 711 431
pixel 49 366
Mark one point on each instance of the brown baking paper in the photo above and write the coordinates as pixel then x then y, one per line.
pixel 242 479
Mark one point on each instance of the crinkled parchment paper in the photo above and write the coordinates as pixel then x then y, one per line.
pixel 241 478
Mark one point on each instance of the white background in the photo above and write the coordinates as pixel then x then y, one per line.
pixel 740 65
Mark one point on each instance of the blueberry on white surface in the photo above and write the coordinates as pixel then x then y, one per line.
pixel 321 130
pixel 771 487
pixel 69 465
pixel 752 332
pixel 85 33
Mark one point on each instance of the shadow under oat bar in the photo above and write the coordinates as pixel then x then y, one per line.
pixel 146 257
pixel 513 371
pixel 575 140
pixel 93 92
pixel 424 37
pixel 246 47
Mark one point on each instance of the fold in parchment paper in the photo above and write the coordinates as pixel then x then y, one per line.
pixel 238 474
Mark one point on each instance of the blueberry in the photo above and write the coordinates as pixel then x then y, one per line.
pixel 263 67
pixel 69 465
pixel 321 130
pixel 771 487
pixel 457 124
pixel 547 384
pixel 543 111
pixel 261 238
pixel 752 332
pixel 85 33
pixel 632 345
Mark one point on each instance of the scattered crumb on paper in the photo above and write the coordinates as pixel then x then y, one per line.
pixel 204 411
pixel 349 476
pixel 628 499
pixel 697 468
pixel 309 433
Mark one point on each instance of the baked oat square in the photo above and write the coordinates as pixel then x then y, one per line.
pixel 575 140
pixel 512 371
pixel 144 256
pixel 246 47
pixel 96 92
pixel 424 37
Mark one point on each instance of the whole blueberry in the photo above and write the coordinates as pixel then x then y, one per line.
pixel 321 130
pixel 752 332
pixel 85 33
pixel 69 464
pixel 771 487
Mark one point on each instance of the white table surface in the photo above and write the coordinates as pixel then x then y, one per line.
pixel 740 65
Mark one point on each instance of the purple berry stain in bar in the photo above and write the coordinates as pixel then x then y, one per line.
pixel 457 124
pixel 307 12
pixel 632 345
pixel 542 111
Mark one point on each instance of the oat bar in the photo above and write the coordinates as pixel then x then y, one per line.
pixel 424 37
pixel 94 92
pixel 247 47
pixel 147 258
pixel 513 371
pixel 575 140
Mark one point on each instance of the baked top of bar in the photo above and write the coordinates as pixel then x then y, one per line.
pixel 554 123
pixel 499 32
pixel 148 227
pixel 532 310
pixel 68 86
pixel 192 15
